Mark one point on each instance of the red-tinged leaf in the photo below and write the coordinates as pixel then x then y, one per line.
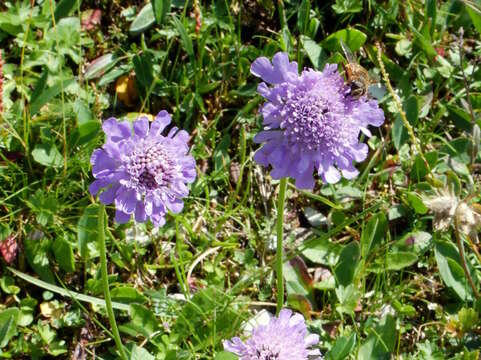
pixel 9 248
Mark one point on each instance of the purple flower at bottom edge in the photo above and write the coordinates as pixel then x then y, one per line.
pixel 311 122
pixel 143 172
pixel 283 338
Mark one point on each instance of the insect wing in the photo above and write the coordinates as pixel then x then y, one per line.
pixel 347 52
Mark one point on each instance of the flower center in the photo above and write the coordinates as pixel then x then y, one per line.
pixel 264 353
pixel 150 167
pixel 306 120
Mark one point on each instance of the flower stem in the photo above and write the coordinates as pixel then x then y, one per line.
pixel 105 281
pixel 279 250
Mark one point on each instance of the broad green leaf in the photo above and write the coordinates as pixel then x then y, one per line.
pixel 100 66
pixel 47 155
pixel 143 321
pixel 144 20
pixel 139 353
pixel 451 270
pixel 48 94
pixel 399 132
pixel 322 251
pixel 460 118
pixel 474 14
pixel 343 346
pixel 8 325
pixel 87 232
pixel 65 8
pixel 381 340
pixel 417 242
pixel 315 52
pixel 353 38
pixel 144 72
pixel 419 170
pixel 64 254
pixel 400 260
pixel 416 203
pixel 298 280
pixel 160 8
pixel 127 295
pixel 36 251
pixel 347 264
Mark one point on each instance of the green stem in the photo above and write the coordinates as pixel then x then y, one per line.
pixel 105 281
pixel 280 235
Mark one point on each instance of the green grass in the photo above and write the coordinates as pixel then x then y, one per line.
pixel 365 262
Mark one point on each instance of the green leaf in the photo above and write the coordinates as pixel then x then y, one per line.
pixel 127 295
pixel 315 52
pixel 8 325
pixel 419 170
pixel 64 254
pixel 161 8
pixel 224 355
pixel 48 94
pixel 348 261
pixel 36 251
pixel 322 251
pixel 417 242
pixel 373 234
pixel 144 72
pixel 47 155
pixel 139 353
pixel 381 340
pixel 65 8
pixel 67 293
pixel 460 117
pixel 343 346
pixel 298 280
pixel 143 21
pixel 399 132
pixel 474 15
pixel 303 16
pixel 400 260
pixel 353 38
pixel 451 270
pixel 186 40
pixel 143 321
pixel 100 66
pixel 347 6
pixel 87 232
pixel 416 203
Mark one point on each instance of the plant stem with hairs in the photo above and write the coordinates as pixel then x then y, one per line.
pixel 279 249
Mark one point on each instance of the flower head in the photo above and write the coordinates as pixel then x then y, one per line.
pixel 143 172
pixel 283 338
pixel 311 122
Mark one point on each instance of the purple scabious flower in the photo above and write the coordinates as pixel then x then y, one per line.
pixel 311 122
pixel 143 172
pixel 283 338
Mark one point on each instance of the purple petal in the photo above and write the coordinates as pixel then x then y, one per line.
pixel 262 67
pixel 115 130
pixel 121 217
pixel 141 126
pixel 162 119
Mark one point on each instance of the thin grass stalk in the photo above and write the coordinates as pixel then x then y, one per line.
pixel 105 281
pixel 279 250
pixel 399 108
